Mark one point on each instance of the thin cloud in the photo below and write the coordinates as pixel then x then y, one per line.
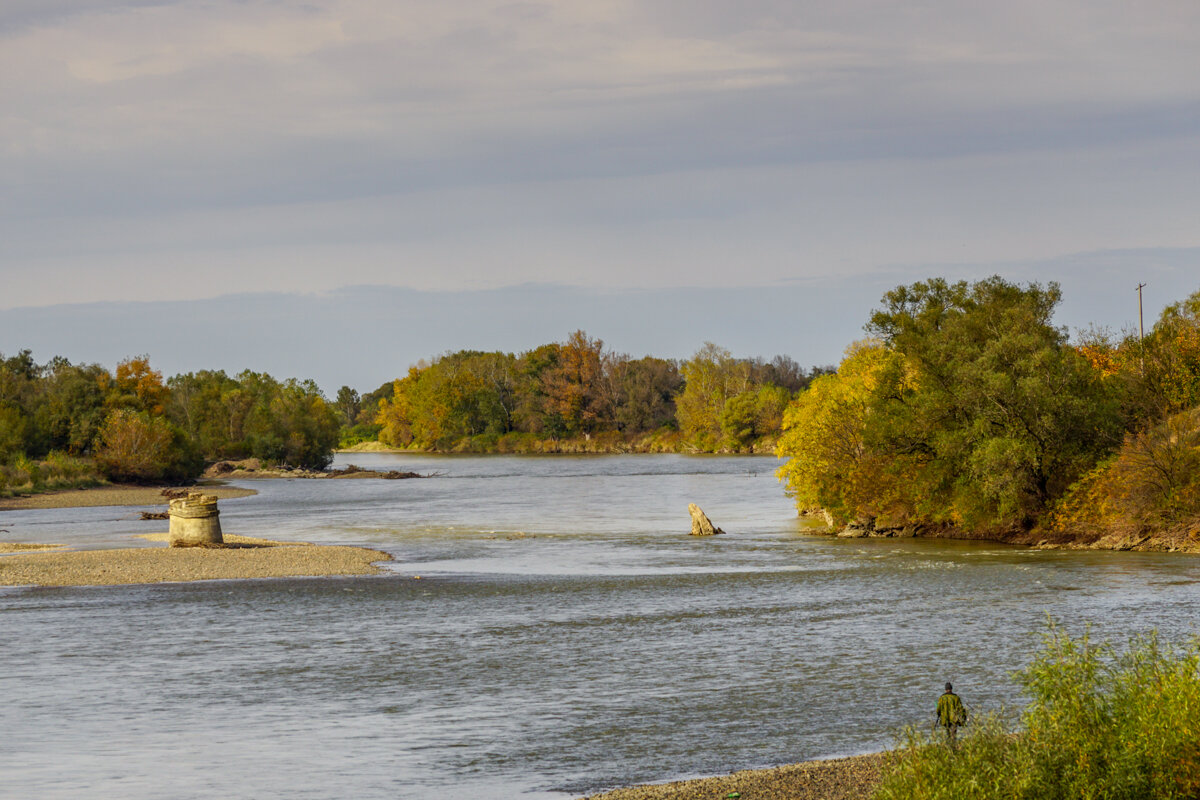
pixel 679 142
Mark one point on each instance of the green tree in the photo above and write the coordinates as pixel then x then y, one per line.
pixel 535 412
pixel 212 409
pixel 643 392
pixel 69 408
pixel 737 421
pixel 289 422
pixel 13 428
pixel 1003 415
pixel 347 404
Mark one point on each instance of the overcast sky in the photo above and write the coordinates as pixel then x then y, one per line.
pixel 168 150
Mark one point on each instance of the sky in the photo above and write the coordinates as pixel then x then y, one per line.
pixel 666 171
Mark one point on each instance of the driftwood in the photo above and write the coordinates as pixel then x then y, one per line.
pixel 701 524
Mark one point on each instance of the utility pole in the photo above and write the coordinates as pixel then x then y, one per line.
pixel 1141 330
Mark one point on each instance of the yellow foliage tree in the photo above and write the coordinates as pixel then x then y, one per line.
pixel 830 466
pixel 712 377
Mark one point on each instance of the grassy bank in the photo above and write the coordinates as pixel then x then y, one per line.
pixel 57 471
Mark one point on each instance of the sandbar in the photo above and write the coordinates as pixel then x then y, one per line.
pixel 244 557
pixel 25 547
pixel 836 779
pixel 119 495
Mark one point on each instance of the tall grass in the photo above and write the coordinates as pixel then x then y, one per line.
pixel 1101 724
pixel 57 471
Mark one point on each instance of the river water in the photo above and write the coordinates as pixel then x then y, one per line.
pixel 565 635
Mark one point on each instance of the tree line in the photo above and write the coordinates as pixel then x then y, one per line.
pixel 578 395
pixel 62 422
pixel 132 425
pixel 966 406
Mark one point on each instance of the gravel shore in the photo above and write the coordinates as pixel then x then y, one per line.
pixel 111 496
pixel 243 558
pixel 837 779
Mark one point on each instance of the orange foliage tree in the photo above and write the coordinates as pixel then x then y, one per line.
pixel 574 386
pixel 138 386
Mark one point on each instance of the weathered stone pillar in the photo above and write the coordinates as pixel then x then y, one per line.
pixel 195 521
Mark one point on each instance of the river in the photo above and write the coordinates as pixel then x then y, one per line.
pixel 565 635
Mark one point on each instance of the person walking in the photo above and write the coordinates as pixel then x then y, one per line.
pixel 950 714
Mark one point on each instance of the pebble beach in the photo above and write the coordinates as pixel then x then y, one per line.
pixel 851 778
pixel 243 557
pixel 23 564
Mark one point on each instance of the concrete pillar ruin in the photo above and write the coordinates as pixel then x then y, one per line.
pixel 195 521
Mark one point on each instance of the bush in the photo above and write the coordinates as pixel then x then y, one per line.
pixel 58 471
pixel 983 766
pixel 1100 724
pixel 137 447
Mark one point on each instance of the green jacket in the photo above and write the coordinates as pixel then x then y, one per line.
pixel 950 710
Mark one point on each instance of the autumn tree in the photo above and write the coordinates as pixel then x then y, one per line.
pixel 574 385
pixel 825 439
pixel 136 385
pixel 1162 371
pixel 137 447
pixel 711 376
pixel 460 395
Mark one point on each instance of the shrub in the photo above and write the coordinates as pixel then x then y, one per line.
pixel 135 446
pixel 1100 724
pixel 58 471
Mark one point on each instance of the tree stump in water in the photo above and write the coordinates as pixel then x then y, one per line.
pixel 195 521
pixel 701 524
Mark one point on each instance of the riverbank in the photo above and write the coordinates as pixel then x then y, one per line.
pixel 243 557
pixel 253 469
pixel 1183 537
pixel 837 779
pixel 606 443
pixel 118 495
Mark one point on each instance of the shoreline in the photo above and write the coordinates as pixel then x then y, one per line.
pixel 244 558
pixel 113 495
pixel 1180 538
pixel 849 778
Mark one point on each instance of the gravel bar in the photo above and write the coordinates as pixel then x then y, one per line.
pixel 851 778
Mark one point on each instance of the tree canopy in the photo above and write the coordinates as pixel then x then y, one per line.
pixel 974 410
